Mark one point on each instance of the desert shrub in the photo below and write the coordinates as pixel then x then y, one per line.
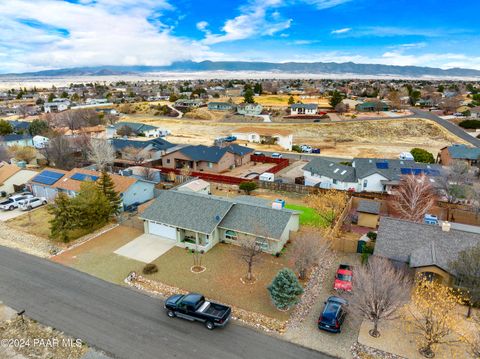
pixel 150 268
pixel 372 236
pixel 248 187
pixel 296 148
pixel 421 155
pixel 470 124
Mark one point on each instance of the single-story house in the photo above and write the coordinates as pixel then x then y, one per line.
pixel 365 174
pixel 368 213
pixel 197 220
pixel 19 126
pixel 475 112
pixel 149 150
pixel 40 142
pixel 138 128
pixel 57 105
pixel 281 137
pixel 196 185
pixel 427 248
pixel 371 106
pixel 249 109
pixel 52 181
pixel 221 106
pixel 459 152
pixel 18 140
pixel 303 109
pixel 187 103
pixel 204 158
pixel 351 104
pixel 13 177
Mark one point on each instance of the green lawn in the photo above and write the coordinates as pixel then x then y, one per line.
pixel 308 216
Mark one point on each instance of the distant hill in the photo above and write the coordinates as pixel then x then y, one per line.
pixel 288 67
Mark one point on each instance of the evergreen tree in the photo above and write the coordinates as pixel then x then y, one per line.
pixel 92 205
pixel 258 88
pixel 291 100
pixel 65 217
pixel 285 289
pixel 248 96
pixel 335 99
pixel 107 187
pixel 5 128
pixel 37 127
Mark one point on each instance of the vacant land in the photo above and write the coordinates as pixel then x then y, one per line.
pixel 382 138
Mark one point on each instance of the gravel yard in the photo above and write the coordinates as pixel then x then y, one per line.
pixel 308 334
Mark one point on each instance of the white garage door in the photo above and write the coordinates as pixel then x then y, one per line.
pixel 162 230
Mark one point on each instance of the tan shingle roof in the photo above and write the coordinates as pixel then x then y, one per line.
pixel 122 183
pixel 7 171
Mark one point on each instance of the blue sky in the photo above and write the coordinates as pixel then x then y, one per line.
pixel 44 34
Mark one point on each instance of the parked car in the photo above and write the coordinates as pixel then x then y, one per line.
pixel 315 150
pixel 306 148
pixel 230 139
pixel 258 153
pixel 333 315
pixel 317 120
pixel 31 203
pixel 277 155
pixel 343 278
pixel 194 307
pixel 12 202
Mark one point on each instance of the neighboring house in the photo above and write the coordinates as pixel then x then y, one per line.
pixel 149 150
pixel 372 106
pixel 195 185
pixel 144 173
pixel 365 174
pixel 203 158
pixel 283 138
pixel 249 109
pixel 459 152
pixel 368 213
pixel 303 109
pixel 426 248
pixel 19 140
pixel 40 142
pixel 140 129
pixel 90 131
pixel 462 109
pixel 13 177
pixel 189 103
pixel 351 104
pixel 200 221
pixel 50 182
pixel 57 105
pixel 221 106
pixel 475 112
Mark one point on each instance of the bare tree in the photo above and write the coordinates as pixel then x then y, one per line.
pixel 81 144
pixel 395 99
pixel 101 153
pixel 453 182
pixel 59 152
pixel 471 337
pixel 379 291
pixel 341 108
pixel 450 104
pixel 22 153
pixel 250 250
pixel 125 131
pixel 413 198
pixel 308 250
pixel 134 154
pixel 328 205
pixel 22 110
pixel 148 173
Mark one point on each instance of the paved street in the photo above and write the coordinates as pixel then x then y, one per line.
pixel 123 322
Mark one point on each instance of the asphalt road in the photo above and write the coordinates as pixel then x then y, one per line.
pixel 122 322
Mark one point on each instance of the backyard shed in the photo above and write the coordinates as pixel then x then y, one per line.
pixel 368 213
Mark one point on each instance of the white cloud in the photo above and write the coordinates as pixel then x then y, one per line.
pixel 342 31
pixel 100 33
pixel 325 4
pixel 202 25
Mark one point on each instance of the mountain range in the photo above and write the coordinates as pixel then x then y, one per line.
pixel 349 68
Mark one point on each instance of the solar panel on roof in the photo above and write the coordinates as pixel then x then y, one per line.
pixel 405 171
pixel 382 165
pixel 416 171
pixel 47 177
pixel 83 177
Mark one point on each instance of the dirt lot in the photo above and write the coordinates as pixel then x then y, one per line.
pixel 385 138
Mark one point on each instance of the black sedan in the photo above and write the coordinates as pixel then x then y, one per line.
pixel 333 315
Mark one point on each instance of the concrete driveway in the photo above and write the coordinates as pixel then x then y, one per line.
pixel 6 215
pixel 146 248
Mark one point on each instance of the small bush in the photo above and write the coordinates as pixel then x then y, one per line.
pixel 372 236
pixel 248 187
pixel 470 124
pixel 150 268
pixel 296 148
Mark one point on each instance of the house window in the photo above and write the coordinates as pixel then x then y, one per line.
pixel 231 235
pixel 262 243
pixel 365 183
pixel 335 181
pixel 168 160
pixel 210 165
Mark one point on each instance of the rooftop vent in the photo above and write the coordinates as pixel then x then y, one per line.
pixel 446 226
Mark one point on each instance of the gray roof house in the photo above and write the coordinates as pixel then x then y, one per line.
pixel 303 109
pixel 365 174
pixel 427 248
pixel 137 127
pixel 197 220
pixel 151 149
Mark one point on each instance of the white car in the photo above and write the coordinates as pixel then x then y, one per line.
pixel 31 203
pixel 277 155
pixel 11 203
pixel 306 149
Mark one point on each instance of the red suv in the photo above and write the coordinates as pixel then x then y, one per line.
pixel 343 278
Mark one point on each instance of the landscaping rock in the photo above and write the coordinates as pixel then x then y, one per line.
pixel 360 351
pixel 28 243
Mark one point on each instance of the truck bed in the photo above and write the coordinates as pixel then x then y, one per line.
pixel 213 309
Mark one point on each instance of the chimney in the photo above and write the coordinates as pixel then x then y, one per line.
pixel 446 226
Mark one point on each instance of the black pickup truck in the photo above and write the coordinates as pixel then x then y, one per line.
pixel 194 307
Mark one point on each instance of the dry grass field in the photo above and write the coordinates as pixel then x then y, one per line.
pixel 383 138
pixel 280 100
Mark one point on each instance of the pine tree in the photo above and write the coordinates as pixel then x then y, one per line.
pixel 92 205
pixel 335 99
pixel 285 289
pixel 107 187
pixel 65 217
